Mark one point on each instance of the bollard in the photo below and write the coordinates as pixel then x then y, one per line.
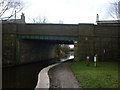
pixel 95 60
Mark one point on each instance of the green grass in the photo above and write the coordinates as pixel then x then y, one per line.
pixel 103 76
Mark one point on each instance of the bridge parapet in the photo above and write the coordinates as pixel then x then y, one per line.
pixel 48 29
pixel 86 30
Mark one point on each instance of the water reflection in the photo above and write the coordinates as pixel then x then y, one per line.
pixel 70 56
pixel 24 76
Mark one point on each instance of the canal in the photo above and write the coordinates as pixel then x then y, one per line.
pixel 25 76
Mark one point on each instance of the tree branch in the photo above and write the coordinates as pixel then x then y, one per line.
pixel 10 6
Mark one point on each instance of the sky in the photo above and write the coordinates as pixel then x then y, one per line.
pixel 66 11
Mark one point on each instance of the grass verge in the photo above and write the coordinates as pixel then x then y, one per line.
pixel 103 76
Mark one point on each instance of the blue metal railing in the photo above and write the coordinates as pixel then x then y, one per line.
pixel 48 37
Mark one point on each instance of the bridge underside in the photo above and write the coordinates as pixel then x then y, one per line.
pixel 37 50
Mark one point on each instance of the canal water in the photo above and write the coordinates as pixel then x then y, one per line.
pixel 69 57
pixel 25 76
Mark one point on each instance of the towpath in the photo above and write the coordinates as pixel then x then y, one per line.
pixel 61 76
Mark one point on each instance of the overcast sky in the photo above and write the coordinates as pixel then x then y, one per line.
pixel 67 11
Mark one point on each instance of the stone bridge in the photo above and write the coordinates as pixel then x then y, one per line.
pixel 23 43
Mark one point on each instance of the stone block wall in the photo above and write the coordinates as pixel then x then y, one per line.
pixel 35 50
pixel 102 40
pixel 48 29
pixel 8 43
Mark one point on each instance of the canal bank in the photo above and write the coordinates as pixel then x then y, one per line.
pixel 57 76
pixel 43 78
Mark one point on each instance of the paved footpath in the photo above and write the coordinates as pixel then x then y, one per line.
pixel 43 78
pixel 62 77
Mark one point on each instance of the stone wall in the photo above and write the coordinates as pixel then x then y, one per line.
pixel 99 39
pixel 106 42
pixel 35 50
pixel 8 43
pixel 48 29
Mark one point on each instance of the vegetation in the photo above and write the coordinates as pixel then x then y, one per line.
pixel 103 76
pixel 62 51
pixel 114 9
pixel 39 19
pixel 8 8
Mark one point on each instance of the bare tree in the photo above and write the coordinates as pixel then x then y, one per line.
pixel 10 7
pixel 114 9
pixel 40 19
